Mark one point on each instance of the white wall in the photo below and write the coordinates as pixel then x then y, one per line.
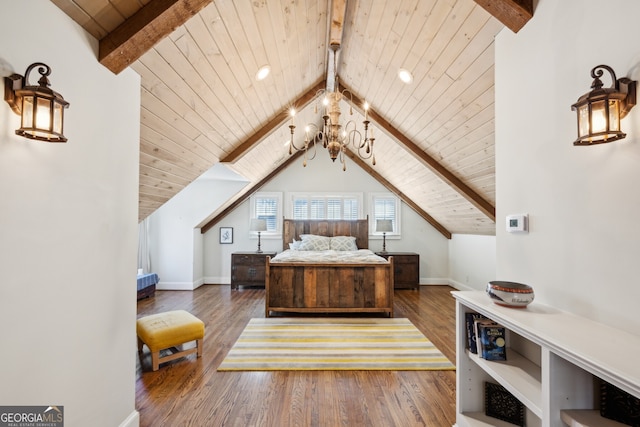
pixel 472 261
pixel 323 175
pixel 176 248
pixel 68 227
pixel 583 247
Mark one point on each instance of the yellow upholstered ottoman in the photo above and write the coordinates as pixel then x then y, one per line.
pixel 167 330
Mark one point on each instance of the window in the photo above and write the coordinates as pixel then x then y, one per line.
pixel 268 206
pixel 326 206
pixel 384 206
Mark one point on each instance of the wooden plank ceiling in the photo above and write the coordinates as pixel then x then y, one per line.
pixel 201 102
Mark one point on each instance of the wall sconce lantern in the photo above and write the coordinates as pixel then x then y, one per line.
pixel 41 108
pixel 599 111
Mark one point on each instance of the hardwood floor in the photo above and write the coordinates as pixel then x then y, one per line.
pixel 190 392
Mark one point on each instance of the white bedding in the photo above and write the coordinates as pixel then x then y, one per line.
pixel 330 256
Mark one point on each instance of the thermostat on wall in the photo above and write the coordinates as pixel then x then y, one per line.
pixel 517 223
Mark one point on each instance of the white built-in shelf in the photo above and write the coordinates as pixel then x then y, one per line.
pixel 519 375
pixel 550 365
pixel 479 419
pixel 586 418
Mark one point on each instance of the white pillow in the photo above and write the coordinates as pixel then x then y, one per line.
pixel 294 245
pixel 343 243
pixel 311 242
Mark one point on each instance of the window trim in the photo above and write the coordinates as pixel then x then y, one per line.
pixel 266 195
pixel 291 196
pixel 397 232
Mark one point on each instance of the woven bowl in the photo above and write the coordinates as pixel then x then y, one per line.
pixel 510 294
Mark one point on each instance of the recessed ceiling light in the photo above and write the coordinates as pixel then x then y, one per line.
pixel 263 72
pixel 405 75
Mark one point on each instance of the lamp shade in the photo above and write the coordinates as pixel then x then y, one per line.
pixel 384 225
pixel 258 225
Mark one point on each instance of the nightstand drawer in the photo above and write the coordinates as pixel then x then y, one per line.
pixel 248 259
pixel 406 269
pixel 248 268
pixel 247 273
pixel 405 259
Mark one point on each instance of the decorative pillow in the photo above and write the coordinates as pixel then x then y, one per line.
pixel 343 243
pixel 311 242
pixel 294 245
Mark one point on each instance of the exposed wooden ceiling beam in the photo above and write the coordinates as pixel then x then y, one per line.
pixel 273 124
pixel 514 14
pixel 135 36
pixel 371 171
pixel 338 10
pixel 442 172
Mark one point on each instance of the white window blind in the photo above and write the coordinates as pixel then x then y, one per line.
pixel 385 206
pixel 268 206
pixel 324 206
pixel 316 209
pixel 300 208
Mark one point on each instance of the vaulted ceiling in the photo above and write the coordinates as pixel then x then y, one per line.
pixel 201 103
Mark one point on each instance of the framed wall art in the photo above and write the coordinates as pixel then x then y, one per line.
pixel 226 235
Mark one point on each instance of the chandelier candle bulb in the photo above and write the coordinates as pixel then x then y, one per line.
pixel 336 137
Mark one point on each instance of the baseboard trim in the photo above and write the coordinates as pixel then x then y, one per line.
pixel 133 420
pixel 217 280
pixel 198 283
pixel 433 281
pixel 175 286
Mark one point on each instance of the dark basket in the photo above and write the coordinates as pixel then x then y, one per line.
pixel 501 404
pixel 619 405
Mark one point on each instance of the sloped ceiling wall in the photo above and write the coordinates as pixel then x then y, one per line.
pixel 201 103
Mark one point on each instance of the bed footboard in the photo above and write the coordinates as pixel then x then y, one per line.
pixel 329 288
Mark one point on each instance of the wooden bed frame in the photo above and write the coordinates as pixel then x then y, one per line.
pixel 328 287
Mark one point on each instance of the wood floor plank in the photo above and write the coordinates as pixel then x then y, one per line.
pixel 190 392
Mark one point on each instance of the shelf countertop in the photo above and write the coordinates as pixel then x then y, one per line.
pixel 604 351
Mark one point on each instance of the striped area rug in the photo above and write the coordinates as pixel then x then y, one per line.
pixel 290 344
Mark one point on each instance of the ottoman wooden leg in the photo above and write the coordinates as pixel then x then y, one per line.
pixel 199 346
pixel 155 360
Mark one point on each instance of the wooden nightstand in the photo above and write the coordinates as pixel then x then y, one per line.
pixel 247 268
pixel 406 269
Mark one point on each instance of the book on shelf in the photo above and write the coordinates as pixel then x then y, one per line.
pixel 491 340
pixel 470 318
pixel 476 332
